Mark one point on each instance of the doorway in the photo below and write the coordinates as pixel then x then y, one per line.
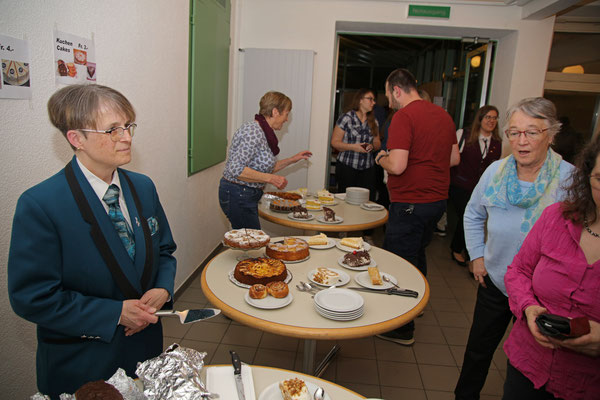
pixel 455 72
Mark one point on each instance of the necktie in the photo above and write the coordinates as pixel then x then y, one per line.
pixel 485 148
pixel 111 197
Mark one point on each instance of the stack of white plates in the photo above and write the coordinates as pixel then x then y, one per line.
pixel 357 195
pixel 339 304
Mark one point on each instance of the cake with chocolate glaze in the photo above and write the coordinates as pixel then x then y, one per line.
pixel 329 214
pixel 357 259
pixel 98 390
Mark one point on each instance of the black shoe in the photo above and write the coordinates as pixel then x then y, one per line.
pixel 461 263
pixel 403 338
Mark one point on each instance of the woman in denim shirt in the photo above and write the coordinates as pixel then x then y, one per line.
pixel 251 162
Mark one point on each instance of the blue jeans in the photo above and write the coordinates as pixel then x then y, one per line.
pixel 240 204
pixel 408 232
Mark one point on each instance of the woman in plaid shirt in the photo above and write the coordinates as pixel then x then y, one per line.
pixel 356 136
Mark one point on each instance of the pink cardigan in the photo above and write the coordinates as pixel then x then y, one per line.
pixel 551 270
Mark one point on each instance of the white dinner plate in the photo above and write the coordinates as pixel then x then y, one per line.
pixel 339 300
pixel 339 317
pixel 363 279
pixel 322 310
pixel 291 216
pixel 371 206
pixel 361 268
pixel 342 279
pixel 365 246
pixel 330 244
pixel 338 220
pixel 287 279
pixel 272 392
pixel 269 302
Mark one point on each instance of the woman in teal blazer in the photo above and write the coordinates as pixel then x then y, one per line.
pixel 90 271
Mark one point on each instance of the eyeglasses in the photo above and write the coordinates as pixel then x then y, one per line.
pixel 370 99
pixel 115 133
pixel 595 181
pixel 490 118
pixel 531 133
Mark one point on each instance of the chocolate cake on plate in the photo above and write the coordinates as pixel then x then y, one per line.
pixel 329 214
pixel 357 259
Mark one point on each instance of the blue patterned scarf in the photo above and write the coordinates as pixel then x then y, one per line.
pixel 504 188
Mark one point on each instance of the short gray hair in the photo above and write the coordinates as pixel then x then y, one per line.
pixel 538 108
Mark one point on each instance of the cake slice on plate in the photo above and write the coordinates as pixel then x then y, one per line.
pixel 354 242
pixel 294 389
pixel 318 240
pixel 329 214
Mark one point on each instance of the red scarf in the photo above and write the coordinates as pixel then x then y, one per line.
pixel 269 133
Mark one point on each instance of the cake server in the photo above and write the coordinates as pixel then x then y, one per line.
pixel 237 374
pixel 190 316
pixel 405 292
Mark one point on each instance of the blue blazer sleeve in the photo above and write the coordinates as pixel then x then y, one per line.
pixel 35 279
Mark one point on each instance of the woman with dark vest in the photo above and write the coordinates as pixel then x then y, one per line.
pixel 480 146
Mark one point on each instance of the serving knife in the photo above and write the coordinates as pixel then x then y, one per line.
pixel 189 316
pixel 237 374
pixel 405 292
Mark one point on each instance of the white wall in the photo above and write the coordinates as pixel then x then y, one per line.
pixel 310 24
pixel 142 50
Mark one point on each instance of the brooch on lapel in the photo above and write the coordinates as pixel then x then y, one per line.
pixel 153 225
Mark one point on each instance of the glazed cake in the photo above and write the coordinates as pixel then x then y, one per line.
pixel 259 270
pixel 285 195
pixel 283 205
pixel 357 259
pixel 291 249
pixel 246 238
pixel 98 390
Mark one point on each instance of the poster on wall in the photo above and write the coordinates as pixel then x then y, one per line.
pixel 74 59
pixel 15 82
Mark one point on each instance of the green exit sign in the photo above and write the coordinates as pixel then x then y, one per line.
pixel 428 11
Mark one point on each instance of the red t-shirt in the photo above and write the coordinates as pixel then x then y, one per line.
pixel 428 133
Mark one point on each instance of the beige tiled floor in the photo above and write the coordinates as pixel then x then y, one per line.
pixel 370 366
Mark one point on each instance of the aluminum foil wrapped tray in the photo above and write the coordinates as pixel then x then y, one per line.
pixel 173 375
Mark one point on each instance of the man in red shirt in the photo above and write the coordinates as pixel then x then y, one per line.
pixel 421 149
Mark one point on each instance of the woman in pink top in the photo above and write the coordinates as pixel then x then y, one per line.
pixel 557 271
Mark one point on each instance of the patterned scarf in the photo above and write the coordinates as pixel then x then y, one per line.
pixel 269 133
pixel 504 187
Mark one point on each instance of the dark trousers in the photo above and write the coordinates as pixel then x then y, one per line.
pixel 383 196
pixel 490 320
pixel 347 176
pixel 459 198
pixel 518 387
pixel 240 204
pixel 408 232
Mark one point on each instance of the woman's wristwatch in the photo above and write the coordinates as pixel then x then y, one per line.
pixel 379 157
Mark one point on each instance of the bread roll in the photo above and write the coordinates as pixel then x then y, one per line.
pixel 374 275
pixel 257 291
pixel 278 289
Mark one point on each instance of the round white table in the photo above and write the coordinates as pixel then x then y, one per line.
pixel 299 319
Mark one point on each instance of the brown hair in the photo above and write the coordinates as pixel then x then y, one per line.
pixel 579 203
pixel 355 105
pixel 79 106
pixel 476 125
pixel 403 79
pixel 271 100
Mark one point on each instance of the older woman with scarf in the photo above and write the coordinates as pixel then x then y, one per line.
pixel 251 162
pixel 509 198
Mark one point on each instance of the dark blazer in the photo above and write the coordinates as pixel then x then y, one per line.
pixel 466 174
pixel 58 280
